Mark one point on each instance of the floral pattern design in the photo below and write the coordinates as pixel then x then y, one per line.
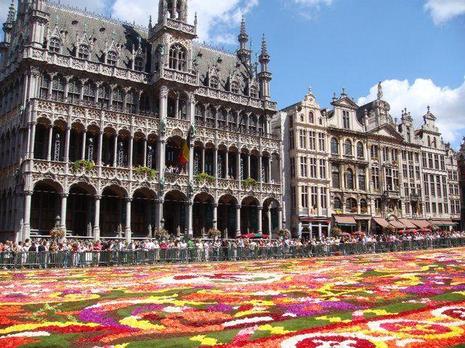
pixel 410 300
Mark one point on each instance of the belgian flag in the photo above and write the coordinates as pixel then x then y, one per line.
pixel 184 154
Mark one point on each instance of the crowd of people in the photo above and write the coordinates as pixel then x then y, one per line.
pixel 80 253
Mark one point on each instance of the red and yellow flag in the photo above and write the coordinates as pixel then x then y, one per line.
pixel 184 154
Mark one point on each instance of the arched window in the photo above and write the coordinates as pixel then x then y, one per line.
pixel 54 45
pixel 337 203
pixel 58 88
pixel 112 57
pixel 253 124
pixel 83 52
pixel 334 146
pixel 178 57
pixel 235 87
pixel 44 87
pixel 211 117
pixel 74 91
pixel 104 96
pixel 139 64
pixel 199 114
pixel 118 99
pixel 311 117
pixel 363 206
pixel 214 83
pixel 351 205
pixel 261 125
pixel 243 123
pixel 349 179
pixel 89 92
pixel 232 120
pixel 348 148
pixel 336 176
pixel 360 151
pixel 131 102
pixel 254 92
pixel 144 103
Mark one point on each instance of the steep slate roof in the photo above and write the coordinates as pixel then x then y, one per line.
pixel 100 31
pixel 70 24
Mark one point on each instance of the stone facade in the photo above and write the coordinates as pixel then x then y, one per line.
pixel 113 130
pixel 461 163
pixel 351 163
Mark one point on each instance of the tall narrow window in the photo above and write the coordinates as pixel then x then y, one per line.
pixel 44 86
pixel 104 96
pixel 178 57
pixel 89 92
pixel 74 91
pixel 334 146
pixel 58 88
pixel 336 176
pixel 118 99
pixel 349 179
pixel 346 119
pixel 360 151
pixel 348 148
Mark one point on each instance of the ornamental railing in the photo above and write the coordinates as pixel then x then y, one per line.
pixel 228 250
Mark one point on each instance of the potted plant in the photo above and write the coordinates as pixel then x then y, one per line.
pixel 57 233
pixel 336 231
pixel 204 178
pixel 160 233
pixel 151 173
pixel 249 183
pixel 284 233
pixel 82 164
pixel 214 233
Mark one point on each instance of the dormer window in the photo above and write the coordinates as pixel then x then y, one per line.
pixel 139 64
pixel 235 87
pixel 111 58
pixel 83 52
pixel 214 83
pixel 54 45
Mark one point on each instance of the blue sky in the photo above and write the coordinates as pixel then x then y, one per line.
pixel 416 47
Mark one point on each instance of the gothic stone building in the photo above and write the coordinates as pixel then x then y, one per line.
pixel 358 168
pixel 109 130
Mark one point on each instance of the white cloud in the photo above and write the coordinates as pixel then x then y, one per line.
pixel 444 10
pixel 448 104
pixel 314 2
pixel 216 18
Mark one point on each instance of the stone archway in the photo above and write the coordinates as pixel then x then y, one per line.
pixel 143 213
pixel 227 215
pixel 270 217
pixel 249 215
pixel 113 211
pixel 202 214
pixel 80 209
pixel 45 206
pixel 174 212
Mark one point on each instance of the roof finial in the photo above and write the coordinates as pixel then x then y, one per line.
pixel 380 91
pixel 264 46
pixel 429 109
pixel 11 13
pixel 243 28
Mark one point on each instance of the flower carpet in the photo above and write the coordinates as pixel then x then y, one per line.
pixel 414 299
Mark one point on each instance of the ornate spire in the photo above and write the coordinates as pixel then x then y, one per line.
pixel 264 56
pixel 243 53
pixel 11 13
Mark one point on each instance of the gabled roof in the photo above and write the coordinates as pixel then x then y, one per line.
pixel 387 130
pixel 346 102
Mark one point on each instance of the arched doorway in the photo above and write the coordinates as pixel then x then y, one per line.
pixel 270 217
pixel 81 209
pixel 45 207
pixel 143 213
pixel 113 212
pixel 174 212
pixel 172 158
pixel 227 215
pixel 249 215
pixel 202 214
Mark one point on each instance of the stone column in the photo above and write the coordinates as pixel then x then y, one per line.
pixel 50 140
pixel 238 220
pixel 191 162
pixel 227 164
pixel 115 151
pixel 131 150
pixel 260 166
pixel 144 161
pixel 248 165
pixel 67 143
pixel 97 218
pixel 100 148
pixel 215 215
pixel 260 219
pixel 190 226
pixel 270 227
pixel 160 219
pixel 33 127
pixel 64 203
pixel 127 229
pixel 161 157
pixel 203 159
pixel 27 216
pixel 280 218
pixel 270 163
pixel 215 165
pixel 84 140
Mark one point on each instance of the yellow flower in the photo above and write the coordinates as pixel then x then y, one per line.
pixel 251 311
pixel 377 312
pixel 274 330
pixel 204 340
pixel 332 319
pixel 134 322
